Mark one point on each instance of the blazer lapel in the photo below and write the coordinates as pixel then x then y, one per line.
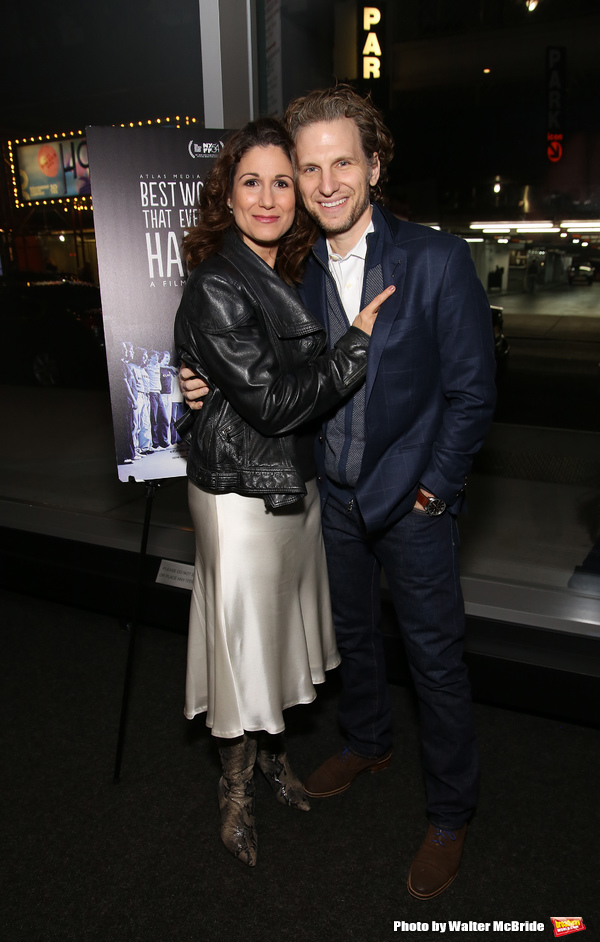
pixel 394 273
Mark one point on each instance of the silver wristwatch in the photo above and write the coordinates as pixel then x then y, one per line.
pixel 434 506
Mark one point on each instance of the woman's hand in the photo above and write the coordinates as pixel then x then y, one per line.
pixel 193 387
pixel 365 320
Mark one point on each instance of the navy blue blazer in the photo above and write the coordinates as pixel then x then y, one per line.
pixel 430 388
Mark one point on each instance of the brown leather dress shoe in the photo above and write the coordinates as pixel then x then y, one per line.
pixel 437 861
pixel 338 773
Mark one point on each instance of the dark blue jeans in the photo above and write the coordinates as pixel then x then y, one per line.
pixel 419 555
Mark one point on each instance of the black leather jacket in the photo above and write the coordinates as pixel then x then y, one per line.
pixel 262 353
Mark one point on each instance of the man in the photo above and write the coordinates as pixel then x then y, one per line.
pixel 393 461
pixel 155 400
pixel 140 362
pixel 126 429
pixel 168 382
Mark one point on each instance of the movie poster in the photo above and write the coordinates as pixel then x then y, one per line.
pixel 145 187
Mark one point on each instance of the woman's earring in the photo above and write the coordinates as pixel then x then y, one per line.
pixel 230 208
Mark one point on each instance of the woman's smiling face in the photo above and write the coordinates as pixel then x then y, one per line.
pixel 263 200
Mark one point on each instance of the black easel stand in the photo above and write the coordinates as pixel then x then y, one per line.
pixel 151 487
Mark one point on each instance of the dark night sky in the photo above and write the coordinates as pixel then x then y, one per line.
pixel 105 63
pixel 98 63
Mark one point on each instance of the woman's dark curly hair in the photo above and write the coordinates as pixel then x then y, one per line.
pixel 342 101
pixel 206 238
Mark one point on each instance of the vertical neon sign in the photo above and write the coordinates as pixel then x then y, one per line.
pixel 371 50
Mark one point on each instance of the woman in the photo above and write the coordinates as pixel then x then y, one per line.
pixel 260 625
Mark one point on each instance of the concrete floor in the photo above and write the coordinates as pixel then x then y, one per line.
pixel 566 301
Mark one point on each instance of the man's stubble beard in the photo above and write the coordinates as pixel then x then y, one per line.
pixel 347 224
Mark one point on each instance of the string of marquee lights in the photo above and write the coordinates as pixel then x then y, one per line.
pixel 79 203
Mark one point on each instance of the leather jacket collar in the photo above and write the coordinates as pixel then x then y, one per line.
pixel 279 301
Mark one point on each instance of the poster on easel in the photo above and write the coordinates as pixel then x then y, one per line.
pixel 146 183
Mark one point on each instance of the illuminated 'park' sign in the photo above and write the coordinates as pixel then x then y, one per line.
pixel 371 46
pixel 556 82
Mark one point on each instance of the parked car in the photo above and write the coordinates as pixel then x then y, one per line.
pixel 51 329
pixel 501 345
pixel 579 273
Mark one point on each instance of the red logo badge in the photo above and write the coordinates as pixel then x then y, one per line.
pixel 565 925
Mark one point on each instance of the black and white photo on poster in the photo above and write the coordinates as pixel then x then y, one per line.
pixel 145 188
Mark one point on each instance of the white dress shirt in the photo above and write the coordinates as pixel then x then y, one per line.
pixel 349 273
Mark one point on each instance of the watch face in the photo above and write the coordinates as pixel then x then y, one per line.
pixel 435 506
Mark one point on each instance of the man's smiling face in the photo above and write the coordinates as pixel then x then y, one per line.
pixel 334 176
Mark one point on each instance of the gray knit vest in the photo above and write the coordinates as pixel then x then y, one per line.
pixel 345 432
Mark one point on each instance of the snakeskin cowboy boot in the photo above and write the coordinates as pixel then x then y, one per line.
pixel 236 799
pixel 273 762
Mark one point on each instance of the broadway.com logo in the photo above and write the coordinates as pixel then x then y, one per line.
pixel 565 925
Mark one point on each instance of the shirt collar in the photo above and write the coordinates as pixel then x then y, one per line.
pixel 359 250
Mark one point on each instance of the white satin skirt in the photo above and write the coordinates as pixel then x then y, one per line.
pixel 261 633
